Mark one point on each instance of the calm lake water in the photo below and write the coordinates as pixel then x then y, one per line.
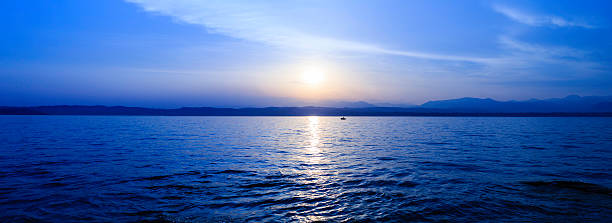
pixel 279 169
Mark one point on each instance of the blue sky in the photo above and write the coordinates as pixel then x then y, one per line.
pixel 170 53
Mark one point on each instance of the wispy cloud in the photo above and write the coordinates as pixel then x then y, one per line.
pixel 257 21
pixel 539 20
pixel 542 51
pixel 252 21
pixel 522 59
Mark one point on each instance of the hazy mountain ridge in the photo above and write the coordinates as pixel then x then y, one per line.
pixel 572 103
pixel 568 106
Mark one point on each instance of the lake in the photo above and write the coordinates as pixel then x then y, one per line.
pixel 279 169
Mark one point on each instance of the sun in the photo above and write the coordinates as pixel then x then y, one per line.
pixel 313 76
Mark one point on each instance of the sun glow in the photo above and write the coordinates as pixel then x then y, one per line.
pixel 313 76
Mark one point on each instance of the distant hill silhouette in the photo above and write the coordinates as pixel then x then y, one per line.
pixel 572 105
pixel 347 104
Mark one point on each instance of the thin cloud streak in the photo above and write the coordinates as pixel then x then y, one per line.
pixel 250 22
pixel 542 51
pixel 538 20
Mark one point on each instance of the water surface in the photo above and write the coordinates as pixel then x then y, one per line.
pixel 271 169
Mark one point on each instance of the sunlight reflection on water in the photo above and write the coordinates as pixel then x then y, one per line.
pixel 313 156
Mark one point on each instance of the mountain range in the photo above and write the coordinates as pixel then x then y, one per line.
pixel 572 105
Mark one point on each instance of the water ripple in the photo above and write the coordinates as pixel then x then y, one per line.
pixel 305 169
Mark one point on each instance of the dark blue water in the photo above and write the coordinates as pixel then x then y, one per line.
pixel 280 169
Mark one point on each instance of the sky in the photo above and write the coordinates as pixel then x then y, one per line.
pixel 174 53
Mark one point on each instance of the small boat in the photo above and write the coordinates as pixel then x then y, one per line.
pixel 343 118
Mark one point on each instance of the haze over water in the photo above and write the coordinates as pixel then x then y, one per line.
pixel 269 169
